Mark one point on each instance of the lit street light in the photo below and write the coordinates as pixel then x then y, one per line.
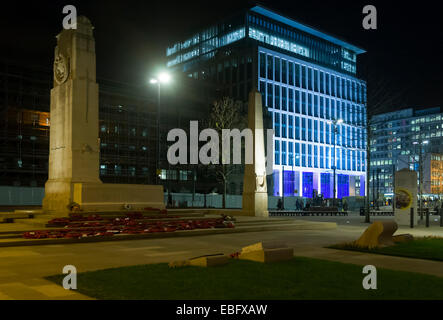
pixel 162 78
pixel 335 123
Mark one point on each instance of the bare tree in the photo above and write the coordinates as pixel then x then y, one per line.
pixel 382 96
pixel 225 114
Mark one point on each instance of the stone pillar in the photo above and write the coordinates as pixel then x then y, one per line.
pixel 255 195
pixel 74 145
pixel 405 197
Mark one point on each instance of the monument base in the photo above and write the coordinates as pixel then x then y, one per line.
pixel 100 197
pixel 256 204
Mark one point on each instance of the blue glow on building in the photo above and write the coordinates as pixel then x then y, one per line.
pixel 326 185
pixel 277 42
pixel 307 81
pixel 308 180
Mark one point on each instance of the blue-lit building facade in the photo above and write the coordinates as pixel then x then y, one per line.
pixel 314 101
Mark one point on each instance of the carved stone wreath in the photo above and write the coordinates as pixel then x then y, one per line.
pixel 61 69
pixel 260 182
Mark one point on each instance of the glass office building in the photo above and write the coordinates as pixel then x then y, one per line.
pixel 314 101
pixel 406 139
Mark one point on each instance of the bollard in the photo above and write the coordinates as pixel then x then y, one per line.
pixel 441 217
pixel 427 217
pixel 412 218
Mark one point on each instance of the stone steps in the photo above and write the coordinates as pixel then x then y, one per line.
pixel 14 239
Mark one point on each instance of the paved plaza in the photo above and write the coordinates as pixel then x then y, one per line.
pixel 22 269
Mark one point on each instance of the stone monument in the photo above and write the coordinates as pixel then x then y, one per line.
pixel 74 151
pixel 255 193
pixel 405 197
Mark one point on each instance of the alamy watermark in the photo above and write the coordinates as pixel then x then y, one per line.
pixel 209 153
pixel 370 281
pixel 70 281
pixel 370 20
pixel 70 21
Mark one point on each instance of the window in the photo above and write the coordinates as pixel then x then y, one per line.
pixel 322 132
pixel 284 77
pixel 303 129
pixel 322 82
pixel 277 97
pixel 270 67
pixel 338 108
pixel 277 152
pixel 322 112
pixel 316 80
pixel 277 124
pixel 315 130
pixel 327 165
pixel 297 101
pixel 290 154
pixel 316 105
pixel 348 135
pixel 309 129
pixel 291 100
pixel 277 69
pixel 262 65
pixel 304 77
pixel 290 127
pixel 327 127
pixel 283 126
pixel 322 159
pixel 333 85
pixel 291 73
pixel 315 157
pixel 297 128
pixel 303 155
pixel 297 154
pixel 328 91
pixel 327 115
pixel 310 155
pixel 270 96
pixel 309 78
pixel 333 109
pixel 303 102
pixel 309 104
pixel 297 74
pixel 284 105
pixel 283 153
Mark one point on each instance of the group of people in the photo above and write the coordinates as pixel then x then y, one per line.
pixel 306 203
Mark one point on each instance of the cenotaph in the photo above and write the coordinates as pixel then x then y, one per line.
pixel 74 150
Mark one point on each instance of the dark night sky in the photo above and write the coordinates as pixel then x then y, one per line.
pixel 131 36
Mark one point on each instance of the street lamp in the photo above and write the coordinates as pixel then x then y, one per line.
pixel 162 78
pixel 420 178
pixel 335 123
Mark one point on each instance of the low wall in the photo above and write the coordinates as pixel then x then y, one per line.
pixel 16 196
pixel 21 196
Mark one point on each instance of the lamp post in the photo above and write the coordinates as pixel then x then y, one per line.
pixel 161 78
pixel 334 167
pixel 420 178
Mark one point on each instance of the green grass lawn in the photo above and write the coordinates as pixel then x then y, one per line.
pixel 420 248
pixel 299 278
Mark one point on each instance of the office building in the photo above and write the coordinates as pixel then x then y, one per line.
pixel 316 103
pixel 407 138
